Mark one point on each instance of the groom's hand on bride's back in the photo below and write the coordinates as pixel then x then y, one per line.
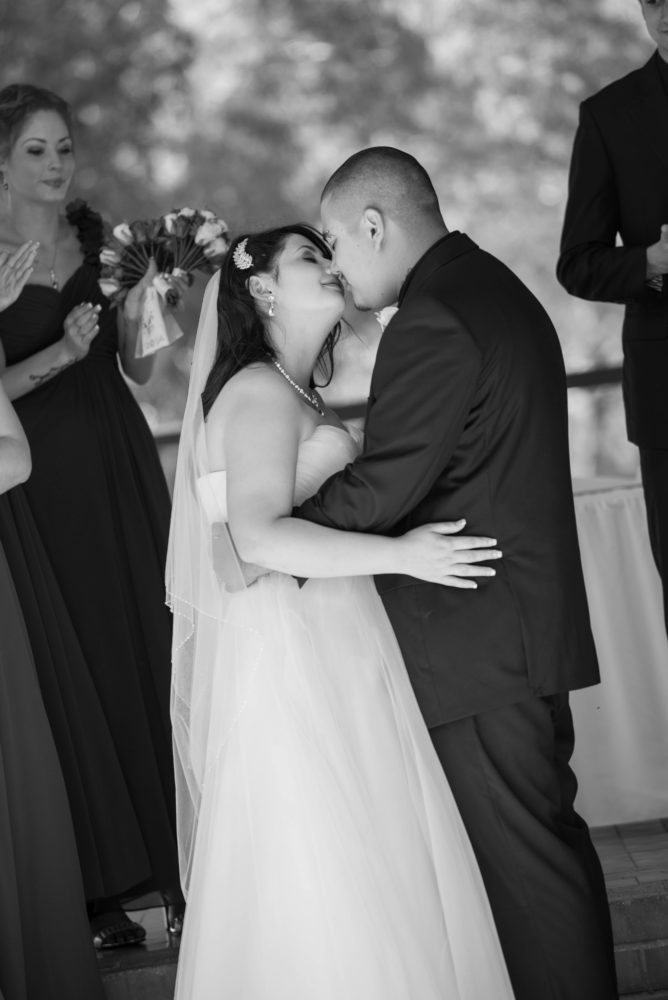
pixel 437 553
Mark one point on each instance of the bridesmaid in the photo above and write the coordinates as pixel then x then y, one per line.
pixel 86 537
pixel 40 880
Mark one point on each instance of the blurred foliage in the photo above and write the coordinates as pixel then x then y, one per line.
pixel 121 65
pixel 246 106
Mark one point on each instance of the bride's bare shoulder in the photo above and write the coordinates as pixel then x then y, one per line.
pixel 257 386
pixel 251 379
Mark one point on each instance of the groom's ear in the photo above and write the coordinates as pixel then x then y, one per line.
pixel 373 225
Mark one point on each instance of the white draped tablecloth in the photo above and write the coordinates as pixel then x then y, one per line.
pixel 621 725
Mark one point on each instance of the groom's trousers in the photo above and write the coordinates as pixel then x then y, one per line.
pixel 510 775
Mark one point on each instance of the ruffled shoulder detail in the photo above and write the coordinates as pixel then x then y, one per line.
pixel 90 228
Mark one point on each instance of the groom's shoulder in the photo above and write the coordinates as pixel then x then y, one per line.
pixel 476 295
pixel 476 273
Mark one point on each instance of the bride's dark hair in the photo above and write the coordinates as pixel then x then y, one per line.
pixel 242 332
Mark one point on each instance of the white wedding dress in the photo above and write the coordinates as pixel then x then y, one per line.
pixel 329 861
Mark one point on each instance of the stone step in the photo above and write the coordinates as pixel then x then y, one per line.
pixel 155 982
pixel 661 995
pixel 144 972
pixel 640 925
pixel 635 862
pixel 638 906
pixel 639 912
pixel 642 966
pixel 151 978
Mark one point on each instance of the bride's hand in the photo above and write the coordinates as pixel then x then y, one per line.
pixel 430 553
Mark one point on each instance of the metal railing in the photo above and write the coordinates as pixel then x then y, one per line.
pixel 168 433
pixel 594 378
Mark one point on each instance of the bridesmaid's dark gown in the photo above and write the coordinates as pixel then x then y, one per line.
pixel 85 539
pixel 46 951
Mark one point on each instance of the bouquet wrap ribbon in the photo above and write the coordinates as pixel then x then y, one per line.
pixel 158 327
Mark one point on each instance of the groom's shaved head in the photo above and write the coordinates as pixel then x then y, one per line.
pixel 383 178
pixel 380 214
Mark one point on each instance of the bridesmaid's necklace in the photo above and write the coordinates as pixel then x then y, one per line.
pixel 52 269
pixel 310 397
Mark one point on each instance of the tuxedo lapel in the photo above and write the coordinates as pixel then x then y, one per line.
pixel 648 109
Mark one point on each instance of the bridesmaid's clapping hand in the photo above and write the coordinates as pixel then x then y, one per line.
pixel 81 326
pixel 15 269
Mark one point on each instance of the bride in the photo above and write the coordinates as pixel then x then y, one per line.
pixel 322 853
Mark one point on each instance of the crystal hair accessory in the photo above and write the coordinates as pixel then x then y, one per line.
pixel 241 258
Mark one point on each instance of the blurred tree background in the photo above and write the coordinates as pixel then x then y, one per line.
pixel 246 106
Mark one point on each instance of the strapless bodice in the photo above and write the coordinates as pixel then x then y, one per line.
pixel 327 451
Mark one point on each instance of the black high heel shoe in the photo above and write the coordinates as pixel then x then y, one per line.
pixel 175 908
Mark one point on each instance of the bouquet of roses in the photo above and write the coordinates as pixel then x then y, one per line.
pixel 180 242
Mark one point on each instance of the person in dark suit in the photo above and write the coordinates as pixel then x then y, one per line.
pixel 619 187
pixel 467 416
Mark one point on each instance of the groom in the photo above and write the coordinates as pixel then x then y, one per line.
pixel 467 418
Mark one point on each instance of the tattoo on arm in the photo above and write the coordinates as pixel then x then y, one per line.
pixel 39 379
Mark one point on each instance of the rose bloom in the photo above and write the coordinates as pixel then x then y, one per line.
pixel 109 256
pixel 207 214
pixel 123 234
pixel 209 231
pixel 215 248
pixel 162 285
pixel 109 286
pixel 187 213
pixel 170 221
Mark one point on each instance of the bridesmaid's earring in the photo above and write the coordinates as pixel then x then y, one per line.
pixel 272 300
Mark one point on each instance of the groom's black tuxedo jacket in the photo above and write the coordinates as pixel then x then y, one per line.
pixel 467 418
pixel 619 185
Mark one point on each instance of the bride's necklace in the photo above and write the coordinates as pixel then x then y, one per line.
pixel 310 397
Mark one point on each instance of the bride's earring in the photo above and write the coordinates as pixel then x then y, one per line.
pixel 272 301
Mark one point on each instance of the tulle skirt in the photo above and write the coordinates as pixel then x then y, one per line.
pixel 330 861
